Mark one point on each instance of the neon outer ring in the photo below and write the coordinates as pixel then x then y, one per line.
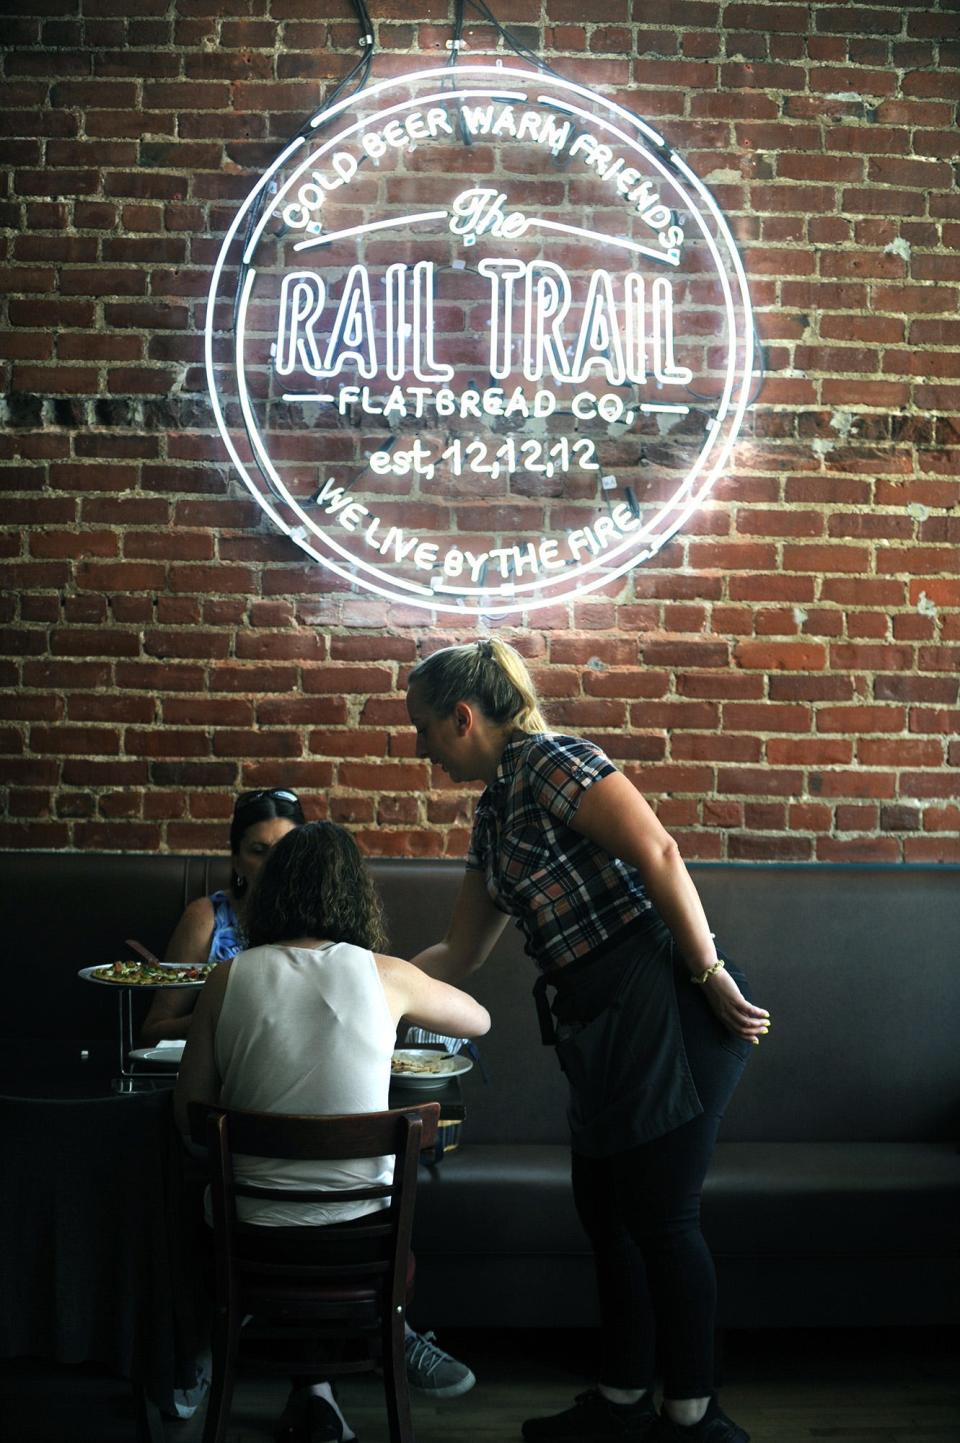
pixel 508 597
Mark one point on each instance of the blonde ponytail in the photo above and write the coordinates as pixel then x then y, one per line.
pixel 488 672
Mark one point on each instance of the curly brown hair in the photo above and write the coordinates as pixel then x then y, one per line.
pixel 315 883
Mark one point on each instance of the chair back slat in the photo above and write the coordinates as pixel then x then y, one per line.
pixel 256 1267
pixel 274 1134
pixel 378 1192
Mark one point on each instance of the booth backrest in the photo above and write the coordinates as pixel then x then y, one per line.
pixel 858 965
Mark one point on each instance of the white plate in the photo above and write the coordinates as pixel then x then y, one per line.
pixel 87 974
pixel 443 1066
pixel 170 1054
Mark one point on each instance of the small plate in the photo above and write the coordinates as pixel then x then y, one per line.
pixel 442 1065
pixel 171 1055
pixel 87 974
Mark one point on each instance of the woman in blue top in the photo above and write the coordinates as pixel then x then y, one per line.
pixel 564 844
pixel 211 928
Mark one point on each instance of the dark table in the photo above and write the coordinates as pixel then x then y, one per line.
pixel 98 1248
pixel 101 1238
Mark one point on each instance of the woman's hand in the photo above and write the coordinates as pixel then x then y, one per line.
pixel 731 1007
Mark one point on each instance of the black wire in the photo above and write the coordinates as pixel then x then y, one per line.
pixel 457 42
pixel 358 76
pixel 517 46
pixel 362 70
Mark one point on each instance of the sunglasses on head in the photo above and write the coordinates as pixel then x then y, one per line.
pixel 246 799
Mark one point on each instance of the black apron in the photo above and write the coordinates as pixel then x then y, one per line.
pixel 616 1028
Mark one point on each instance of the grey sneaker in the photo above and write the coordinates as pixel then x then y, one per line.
pixel 430 1370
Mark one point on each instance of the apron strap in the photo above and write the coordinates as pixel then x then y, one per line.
pixel 548 1031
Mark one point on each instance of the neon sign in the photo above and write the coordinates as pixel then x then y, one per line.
pixel 492 343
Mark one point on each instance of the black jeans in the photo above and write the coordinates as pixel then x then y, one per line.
pixel 641 1210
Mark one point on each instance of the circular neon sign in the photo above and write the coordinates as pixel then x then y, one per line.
pixel 491 343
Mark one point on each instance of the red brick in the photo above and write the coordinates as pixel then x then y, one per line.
pixel 703 747
pixel 66 674
pixel 856 784
pixel 938 784
pixel 685 653
pixel 899 753
pixel 759 781
pixel 122 576
pixel 347 679
pixel 857 849
pixel 584 713
pixel 247 677
pixel 636 682
pixel 720 685
pixel 81 641
pixel 761 587
pixel 781 656
pixel 302 711
pixel 809 752
pixel 259 743
pixel 272 646
pixel 67 740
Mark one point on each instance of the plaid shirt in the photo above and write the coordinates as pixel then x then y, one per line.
pixel 567 894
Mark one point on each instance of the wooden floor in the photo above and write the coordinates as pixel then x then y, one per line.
pixel 885 1386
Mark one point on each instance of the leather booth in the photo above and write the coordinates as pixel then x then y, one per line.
pixel 835 1191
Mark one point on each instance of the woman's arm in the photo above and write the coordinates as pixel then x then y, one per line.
pixel 424 1001
pixel 198 1079
pixel 474 930
pixel 171 1009
pixel 614 815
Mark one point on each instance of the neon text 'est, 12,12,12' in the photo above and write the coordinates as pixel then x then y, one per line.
pixel 535 327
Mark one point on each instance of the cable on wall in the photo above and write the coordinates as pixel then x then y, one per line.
pixel 358 77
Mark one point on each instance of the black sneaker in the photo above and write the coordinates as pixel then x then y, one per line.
pixel 291 1426
pixel 714 1427
pixel 308 1419
pixel 323 1422
pixel 594 1419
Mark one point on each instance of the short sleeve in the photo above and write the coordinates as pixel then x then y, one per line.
pixel 477 851
pixel 474 861
pixel 560 769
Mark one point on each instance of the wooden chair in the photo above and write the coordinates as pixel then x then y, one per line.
pixel 296 1307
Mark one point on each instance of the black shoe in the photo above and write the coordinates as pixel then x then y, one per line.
pixel 594 1419
pixel 292 1424
pixel 323 1422
pixel 308 1419
pixel 714 1427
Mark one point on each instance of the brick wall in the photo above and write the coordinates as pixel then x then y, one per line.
pixel 782 683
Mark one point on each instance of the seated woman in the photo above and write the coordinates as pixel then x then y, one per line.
pixel 310 977
pixel 212 928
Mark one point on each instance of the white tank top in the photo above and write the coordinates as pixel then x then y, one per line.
pixel 305 1030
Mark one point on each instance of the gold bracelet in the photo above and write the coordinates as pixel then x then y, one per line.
pixel 705 976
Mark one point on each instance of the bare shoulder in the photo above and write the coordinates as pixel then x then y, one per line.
pixel 198 913
pixel 391 966
pixel 190 942
pixel 217 981
pixel 210 997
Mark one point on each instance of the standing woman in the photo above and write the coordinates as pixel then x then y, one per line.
pixel 565 844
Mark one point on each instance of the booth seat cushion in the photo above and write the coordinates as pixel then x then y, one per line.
pixel 810 1200
pixel 821 1199
pixel 506 1198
